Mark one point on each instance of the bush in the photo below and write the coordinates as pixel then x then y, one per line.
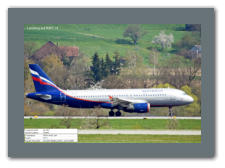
pixel 165 85
pixel 95 123
pixel 194 109
pixel 66 122
pixel 172 124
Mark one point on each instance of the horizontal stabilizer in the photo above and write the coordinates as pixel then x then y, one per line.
pixel 44 96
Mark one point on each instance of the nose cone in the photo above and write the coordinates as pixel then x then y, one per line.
pixel 189 99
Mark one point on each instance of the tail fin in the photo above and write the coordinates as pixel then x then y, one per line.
pixel 41 81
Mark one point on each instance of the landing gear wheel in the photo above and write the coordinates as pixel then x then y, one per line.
pixel 111 113
pixel 171 114
pixel 118 113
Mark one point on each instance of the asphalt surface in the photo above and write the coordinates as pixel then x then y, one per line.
pixel 146 132
pixel 93 117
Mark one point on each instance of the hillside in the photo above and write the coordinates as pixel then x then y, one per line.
pixel 101 38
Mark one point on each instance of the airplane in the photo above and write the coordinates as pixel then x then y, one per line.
pixel 128 100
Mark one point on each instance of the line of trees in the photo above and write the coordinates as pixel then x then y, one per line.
pixel 103 67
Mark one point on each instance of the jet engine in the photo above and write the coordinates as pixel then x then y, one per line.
pixel 138 107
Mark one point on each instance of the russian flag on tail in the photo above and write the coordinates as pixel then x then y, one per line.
pixel 41 80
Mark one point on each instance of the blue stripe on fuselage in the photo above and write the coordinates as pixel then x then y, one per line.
pixel 73 102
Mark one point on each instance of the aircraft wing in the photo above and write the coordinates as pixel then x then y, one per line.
pixel 123 102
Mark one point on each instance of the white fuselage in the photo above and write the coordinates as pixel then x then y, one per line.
pixel 155 96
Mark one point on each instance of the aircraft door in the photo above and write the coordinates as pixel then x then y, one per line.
pixel 63 97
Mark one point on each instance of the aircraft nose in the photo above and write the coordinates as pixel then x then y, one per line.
pixel 190 99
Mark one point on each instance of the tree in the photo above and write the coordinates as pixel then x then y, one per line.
pixel 96 122
pixel 153 59
pixel 55 69
pixel 108 64
pixel 113 81
pixel 26 68
pixel 174 71
pixel 111 67
pixel 193 70
pixel 29 48
pixel 78 71
pixel 131 59
pixel 96 68
pixel 116 64
pixel 183 46
pixel 193 109
pixel 134 32
pixel 164 40
pixel 67 60
pixel 165 85
pixel 67 122
pixel 179 71
pixel 101 68
pixel 186 42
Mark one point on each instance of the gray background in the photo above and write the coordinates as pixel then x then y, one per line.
pixel 17 17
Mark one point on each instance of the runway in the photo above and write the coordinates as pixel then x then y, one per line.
pixel 146 132
pixel 130 117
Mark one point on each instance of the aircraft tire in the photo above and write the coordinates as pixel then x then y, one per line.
pixel 111 113
pixel 118 113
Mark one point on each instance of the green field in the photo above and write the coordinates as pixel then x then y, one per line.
pixel 96 138
pixel 156 124
pixel 115 123
pixel 101 38
pixel 139 139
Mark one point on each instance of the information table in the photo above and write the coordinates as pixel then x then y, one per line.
pixel 50 135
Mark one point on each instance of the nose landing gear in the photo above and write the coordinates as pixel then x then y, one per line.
pixel 170 112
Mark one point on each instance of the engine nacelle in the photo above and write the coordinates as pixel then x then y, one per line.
pixel 138 107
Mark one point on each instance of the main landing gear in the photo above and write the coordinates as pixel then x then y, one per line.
pixel 118 113
pixel 111 113
pixel 171 114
